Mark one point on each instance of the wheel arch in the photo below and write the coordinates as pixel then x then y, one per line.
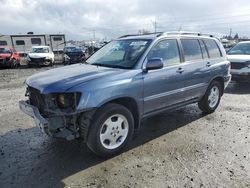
pixel 130 104
pixel 219 79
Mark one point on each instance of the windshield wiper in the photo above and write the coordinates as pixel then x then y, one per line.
pixel 110 66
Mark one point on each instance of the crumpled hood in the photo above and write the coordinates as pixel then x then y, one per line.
pixel 238 58
pixel 38 55
pixel 5 55
pixel 62 79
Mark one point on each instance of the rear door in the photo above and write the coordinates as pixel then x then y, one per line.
pixel 195 68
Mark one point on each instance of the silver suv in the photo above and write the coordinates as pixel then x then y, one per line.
pixel 104 99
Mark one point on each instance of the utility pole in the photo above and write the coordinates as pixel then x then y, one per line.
pixel 180 28
pixel 230 32
pixel 155 25
pixel 94 34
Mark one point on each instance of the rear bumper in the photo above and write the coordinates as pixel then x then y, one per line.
pixel 227 79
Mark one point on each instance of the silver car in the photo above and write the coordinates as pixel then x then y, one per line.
pixel 239 56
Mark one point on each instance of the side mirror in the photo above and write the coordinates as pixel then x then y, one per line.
pixel 153 64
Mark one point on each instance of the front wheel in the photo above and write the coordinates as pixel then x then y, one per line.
pixel 112 127
pixel 211 99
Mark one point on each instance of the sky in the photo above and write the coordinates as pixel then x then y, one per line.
pixel 108 19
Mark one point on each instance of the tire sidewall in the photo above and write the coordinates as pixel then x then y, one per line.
pixel 99 118
pixel 218 85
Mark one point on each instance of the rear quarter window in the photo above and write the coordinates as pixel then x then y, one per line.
pixel 191 49
pixel 213 49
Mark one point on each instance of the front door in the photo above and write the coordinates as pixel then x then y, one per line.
pixel 163 87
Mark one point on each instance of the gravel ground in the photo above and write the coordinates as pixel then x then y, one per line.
pixel 182 148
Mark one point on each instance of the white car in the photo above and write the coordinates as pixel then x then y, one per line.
pixel 41 55
pixel 239 56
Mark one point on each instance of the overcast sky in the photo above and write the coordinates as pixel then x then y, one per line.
pixel 78 19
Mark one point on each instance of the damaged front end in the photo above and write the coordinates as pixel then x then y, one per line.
pixel 55 114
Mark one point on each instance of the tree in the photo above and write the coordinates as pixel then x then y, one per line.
pixel 236 36
pixel 143 31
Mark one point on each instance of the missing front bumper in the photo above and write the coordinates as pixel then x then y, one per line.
pixel 52 126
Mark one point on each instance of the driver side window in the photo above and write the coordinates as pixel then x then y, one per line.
pixel 167 50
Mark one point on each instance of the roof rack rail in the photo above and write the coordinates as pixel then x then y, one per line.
pixel 187 33
pixel 131 35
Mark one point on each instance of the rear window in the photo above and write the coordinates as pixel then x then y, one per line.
pixel 191 49
pixel 20 42
pixel 3 43
pixel 213 49
pixel 36 41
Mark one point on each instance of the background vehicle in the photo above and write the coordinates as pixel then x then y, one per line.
pixel 40 55
pixel 239 56
pixel 9 57
pixel 24 42
pixel 73 55
pixel 131 78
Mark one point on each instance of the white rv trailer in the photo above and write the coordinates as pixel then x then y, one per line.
pixel 23 43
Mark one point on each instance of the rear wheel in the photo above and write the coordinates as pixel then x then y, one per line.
pixel 112 127
pixel 211 99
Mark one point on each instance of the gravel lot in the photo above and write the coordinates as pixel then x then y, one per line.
pixel 183 148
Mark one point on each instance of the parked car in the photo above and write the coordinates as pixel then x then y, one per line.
pixel 73 55
pixel 9 57
pixel 41 55
pixel 239 56
pixel 104 99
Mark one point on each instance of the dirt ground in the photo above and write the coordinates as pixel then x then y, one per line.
pixel 182 148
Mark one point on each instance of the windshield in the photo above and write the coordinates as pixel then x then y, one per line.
pixel 240 49
pixel 119 53
pixel 39 50
pixel 5 51
pixel 72 49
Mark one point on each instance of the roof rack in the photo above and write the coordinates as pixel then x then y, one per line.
pixel 158 34
pixel 186 33
pixel 131 35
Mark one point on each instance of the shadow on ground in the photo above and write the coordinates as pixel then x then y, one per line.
pixel 30 159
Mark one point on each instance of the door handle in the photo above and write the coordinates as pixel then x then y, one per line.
pixel 208 64
pixel 180 70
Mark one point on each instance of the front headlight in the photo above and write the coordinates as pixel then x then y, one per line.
pixel 68 100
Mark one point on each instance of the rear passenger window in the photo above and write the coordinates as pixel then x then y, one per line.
pixel 191 49
pixel 203 49
pixel 213 49
pixel 167 50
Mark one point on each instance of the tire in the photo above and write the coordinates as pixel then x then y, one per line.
pixel 14 64
pixel 111 128
pixel 211 99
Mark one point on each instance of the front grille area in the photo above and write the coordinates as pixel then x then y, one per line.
pixel 36 99
pixel 37 60
pixel 237 65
